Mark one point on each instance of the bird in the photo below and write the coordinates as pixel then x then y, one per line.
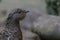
pixel 12 30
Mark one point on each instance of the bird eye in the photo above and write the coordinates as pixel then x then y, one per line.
pixel 19 12
pixel 26 11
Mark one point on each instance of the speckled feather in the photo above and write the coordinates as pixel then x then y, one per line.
pixel 12 29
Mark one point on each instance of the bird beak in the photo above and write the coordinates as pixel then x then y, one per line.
pixel 26 11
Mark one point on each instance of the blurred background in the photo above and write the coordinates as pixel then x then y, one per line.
pixel 51 7
pixel 37 6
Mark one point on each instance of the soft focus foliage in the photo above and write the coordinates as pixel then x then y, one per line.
pixel 53 7
pixel 0 0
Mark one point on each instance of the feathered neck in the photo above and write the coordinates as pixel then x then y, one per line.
pixel 11 23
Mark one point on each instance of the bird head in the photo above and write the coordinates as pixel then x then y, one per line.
pixel 17 14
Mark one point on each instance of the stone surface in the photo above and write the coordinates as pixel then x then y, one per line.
pixel 27 35
pixel 48 27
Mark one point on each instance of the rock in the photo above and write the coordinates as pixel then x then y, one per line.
pixel 47 27
pixel 27 35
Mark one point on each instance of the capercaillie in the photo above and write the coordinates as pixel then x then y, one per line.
pixel 12 30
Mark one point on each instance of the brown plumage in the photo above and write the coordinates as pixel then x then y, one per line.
pixel 12 29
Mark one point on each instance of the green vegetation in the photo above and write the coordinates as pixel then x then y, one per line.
pixel 0 0
pixel 52 7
